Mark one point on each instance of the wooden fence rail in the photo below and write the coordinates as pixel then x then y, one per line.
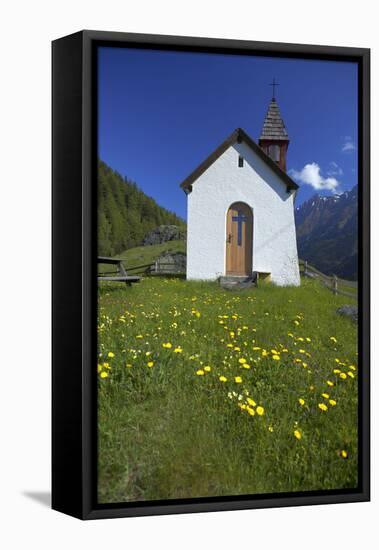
pixel 334 283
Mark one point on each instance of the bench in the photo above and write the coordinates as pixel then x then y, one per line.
pixel 122 276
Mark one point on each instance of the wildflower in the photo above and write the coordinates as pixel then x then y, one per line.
pixel 322 406
pixel 111 354
pixel 242 360
pixel 246 366
pixel 336 371
pixel 326 395
pixel 276 357
pixel 250 411
pixel 270 429
pixel 344 453
pixel 223 379
pixel 150 363
pixel 260 410
pixel 238 379
pixel 297 434
pixel 103 374
pixel 343 375
pixel 251 402
pixel 351 374
pixel 167 345
pixel 207 369
pixel 301 401
pixel 256 348
pixel 332 402
pixel 178 350
pixel 200 372
pixel 329 383
pixel 99 367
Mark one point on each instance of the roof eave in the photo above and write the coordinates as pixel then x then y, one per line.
pixel 238 135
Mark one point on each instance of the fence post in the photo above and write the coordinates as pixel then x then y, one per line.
pixel 305 267
pixel 335 284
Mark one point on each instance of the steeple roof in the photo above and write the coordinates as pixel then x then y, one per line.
pixel 273 126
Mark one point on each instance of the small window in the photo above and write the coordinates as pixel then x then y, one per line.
pixel 274 152
pixel 240 162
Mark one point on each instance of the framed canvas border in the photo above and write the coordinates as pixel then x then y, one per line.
pixel 74 294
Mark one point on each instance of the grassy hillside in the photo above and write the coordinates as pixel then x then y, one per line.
pixel 204 392
pixel 125 213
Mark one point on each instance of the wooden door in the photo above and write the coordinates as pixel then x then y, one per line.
pixel 239 239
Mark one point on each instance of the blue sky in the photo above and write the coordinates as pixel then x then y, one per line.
pixel 161 113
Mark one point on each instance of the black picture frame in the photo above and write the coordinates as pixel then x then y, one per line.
pixel 75 284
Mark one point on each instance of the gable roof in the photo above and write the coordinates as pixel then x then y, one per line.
pixel 237 136
pixel 273 126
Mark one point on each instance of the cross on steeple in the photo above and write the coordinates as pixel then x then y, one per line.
pixel 273 84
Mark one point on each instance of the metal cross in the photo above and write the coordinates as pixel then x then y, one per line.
pixel 273 84
pixel 240 219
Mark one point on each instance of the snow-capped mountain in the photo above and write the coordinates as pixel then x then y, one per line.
pixel 327 233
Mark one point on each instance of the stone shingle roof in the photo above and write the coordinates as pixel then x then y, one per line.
pixel 273 127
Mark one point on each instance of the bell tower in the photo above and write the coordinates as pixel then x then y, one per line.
pixel 274 138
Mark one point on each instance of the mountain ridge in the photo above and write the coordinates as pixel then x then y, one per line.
pixel 327 233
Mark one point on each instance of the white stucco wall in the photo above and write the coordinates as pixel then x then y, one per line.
pixel 274 236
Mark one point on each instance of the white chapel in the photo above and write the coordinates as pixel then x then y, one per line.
pixel 240 205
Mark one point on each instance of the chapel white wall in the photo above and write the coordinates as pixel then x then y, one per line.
pixel 274 235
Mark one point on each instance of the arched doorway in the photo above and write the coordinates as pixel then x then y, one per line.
pixel 239 239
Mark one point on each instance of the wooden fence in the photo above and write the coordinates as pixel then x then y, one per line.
pixel 333 283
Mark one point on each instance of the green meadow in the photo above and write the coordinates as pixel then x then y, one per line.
pixel 205 392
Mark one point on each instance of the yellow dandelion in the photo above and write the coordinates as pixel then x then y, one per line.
pixel 200 372
pixel 332 402
pixel 322 406
pixel 329 383
pixel 242 360
pixel 260 410
pixel 276 357
pixel 150 363
pixel 256 348
pixel 344 453
pixel 326 395
pixel 223 379
pixel 270 429
pixel 167 345
pixel 343 375
pixel 246 366
pixel 297 434
pixel 99 367
pixel 301 401
pixel 351 374
pixel 251 402
pixel 250 410
pixel 238 379
pixel 207 368
pixel 178 350
pixel 103 374
pixel 111 354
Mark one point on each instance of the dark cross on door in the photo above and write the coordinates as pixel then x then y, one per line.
pixel 240 219
pixel 273 84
